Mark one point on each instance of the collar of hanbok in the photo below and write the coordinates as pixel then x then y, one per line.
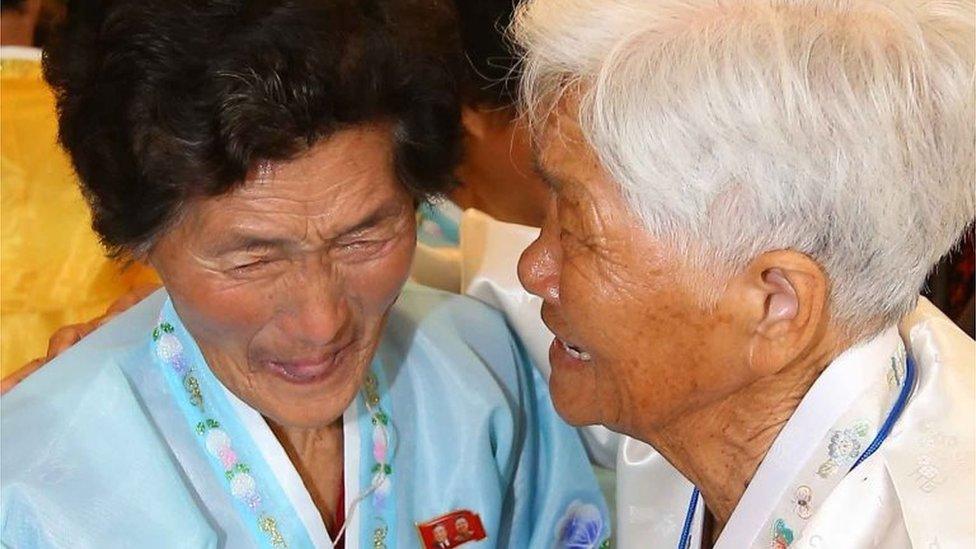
pixel 257 475
pixel 916 490
pixel 833 425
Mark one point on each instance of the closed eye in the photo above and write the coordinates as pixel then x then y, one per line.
pixel 251 265
pixel 363 244
pixel 363 249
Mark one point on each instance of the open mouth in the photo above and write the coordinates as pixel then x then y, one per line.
pixel 308 370
pixel 302 372
pixel 575 352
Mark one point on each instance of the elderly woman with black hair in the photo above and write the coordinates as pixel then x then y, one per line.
pixel 748 197
pixel 285 388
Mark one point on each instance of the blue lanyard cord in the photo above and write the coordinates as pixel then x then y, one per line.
pixel 889 422
pixel 893 415
pixel 686 529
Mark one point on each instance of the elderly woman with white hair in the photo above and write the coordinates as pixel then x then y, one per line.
pixel 747 198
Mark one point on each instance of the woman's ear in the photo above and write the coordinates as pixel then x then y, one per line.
pixel 789 294
pixel 782 302
pixel 476 122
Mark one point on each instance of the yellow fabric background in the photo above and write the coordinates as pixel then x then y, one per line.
pixel 53 270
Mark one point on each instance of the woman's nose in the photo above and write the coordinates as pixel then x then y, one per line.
pixel 538 268
pixel 319 313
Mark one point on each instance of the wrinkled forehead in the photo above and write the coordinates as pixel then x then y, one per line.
pixel 349 160
pixel 334 183
pixel 562 155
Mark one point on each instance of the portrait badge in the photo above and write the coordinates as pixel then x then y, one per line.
pixel 451 530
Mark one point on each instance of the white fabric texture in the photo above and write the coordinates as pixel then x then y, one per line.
pixel 917 490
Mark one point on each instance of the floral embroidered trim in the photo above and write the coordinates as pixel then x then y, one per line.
pixel 382 469
pixel 782 535
pixel 379 538
pixel 896 372
pixel 803 502
pixel 240 483
pixel 844 448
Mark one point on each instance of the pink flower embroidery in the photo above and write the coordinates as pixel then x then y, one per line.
pixel 227 457
pixel 379 445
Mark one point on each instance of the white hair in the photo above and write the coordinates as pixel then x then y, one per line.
pixel 843 129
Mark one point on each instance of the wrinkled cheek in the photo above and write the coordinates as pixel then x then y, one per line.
pixel 214 309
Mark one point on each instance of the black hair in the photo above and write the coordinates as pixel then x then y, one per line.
pixel 11 4
pixel 161 101
pixel 490 76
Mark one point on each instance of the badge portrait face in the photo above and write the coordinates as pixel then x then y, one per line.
pixel 451 530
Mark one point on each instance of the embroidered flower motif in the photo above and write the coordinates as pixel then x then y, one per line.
pixel 244 488
pixel 168 346
pixel 227 457
pixel 379 537
pixel 844 448
pixel 581 527
pixel 379 445
pixel 192 386
pixel 803 502
pixel 382 468
pixel 782 535
pixel 382 491
pixel 217 442
pixel 896 372
pixel 269 526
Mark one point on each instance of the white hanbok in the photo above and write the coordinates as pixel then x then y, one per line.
pixel 918 489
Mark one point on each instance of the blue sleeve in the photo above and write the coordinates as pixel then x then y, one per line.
pixel 84 467
pixel 83 464
pixel 461 375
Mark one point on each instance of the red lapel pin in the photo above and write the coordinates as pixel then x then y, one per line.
pixel 451 530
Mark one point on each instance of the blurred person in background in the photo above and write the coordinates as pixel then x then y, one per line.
pixel 469 241
pixel 53 271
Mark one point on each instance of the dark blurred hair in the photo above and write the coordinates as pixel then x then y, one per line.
pixel 490 78
pixel 11 4
pixel 161 101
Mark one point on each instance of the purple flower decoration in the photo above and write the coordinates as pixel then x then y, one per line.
pixel 581 527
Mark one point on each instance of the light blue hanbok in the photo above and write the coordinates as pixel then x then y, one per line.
pixel 128 440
